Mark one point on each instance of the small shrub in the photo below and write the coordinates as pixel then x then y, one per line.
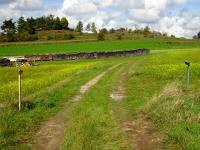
pixel 68 36
pixel 23 36
pixel 104 30
pixel 11 37
pixel 34 37
pixel 3 39
pixel 119 37
pixel 48 37
pixel 101 36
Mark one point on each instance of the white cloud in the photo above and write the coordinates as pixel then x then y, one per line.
pixel 6 1
pixel 185 25
pixel 116 13
pixel 16 8
pixel 112 13
pixel 28 5
pixel 79 7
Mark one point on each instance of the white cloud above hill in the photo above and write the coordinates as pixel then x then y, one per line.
pixel 162 15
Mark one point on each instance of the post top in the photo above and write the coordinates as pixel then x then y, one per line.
pixel 187 63
pixel 20 72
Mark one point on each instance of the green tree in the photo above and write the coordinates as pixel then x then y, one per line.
pixel 40 23
pixel 21 24
pixel 94 28
pixel 79 27
pixel 57 24
pixel 104 30
pixel 112 30
pixel 64 22
pixel 8 26
pixel 88 27
pixel 101 36
pixel 31 25
pixel 146 30
pixel 164 34
pixel 9 29
pixel 49 20
pixel 198 35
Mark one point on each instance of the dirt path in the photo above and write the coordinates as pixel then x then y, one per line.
pixel 119 93
pixel 140 132
pixel 51 134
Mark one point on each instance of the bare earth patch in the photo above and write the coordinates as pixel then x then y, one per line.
pixel 51 134
pixel 141 134
pixel 119 93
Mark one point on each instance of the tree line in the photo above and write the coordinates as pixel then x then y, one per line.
pixel 30 26
pixel 26 29
pixel 197 36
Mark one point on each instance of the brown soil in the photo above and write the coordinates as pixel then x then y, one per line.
pixel 51 133
pixel 119 93
pixel 141 134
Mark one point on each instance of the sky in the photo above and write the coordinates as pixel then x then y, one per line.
pixel 176 17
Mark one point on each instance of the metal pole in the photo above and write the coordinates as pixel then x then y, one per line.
pixel 19 91
pixel 188 79
pixel 20 74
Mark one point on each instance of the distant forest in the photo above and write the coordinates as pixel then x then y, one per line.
pixel 27 29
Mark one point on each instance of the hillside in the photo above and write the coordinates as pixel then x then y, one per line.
pixel 19 49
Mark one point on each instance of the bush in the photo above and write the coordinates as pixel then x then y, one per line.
pixel 48 37
pixel 3 38
pixel 112 30
pixel 101 36
pixel 104 30
pixel 68 36
pixel 23 36
pixel 34 37
pixel 119 37
pixel 11 37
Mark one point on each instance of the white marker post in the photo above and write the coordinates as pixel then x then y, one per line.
pixel 20 74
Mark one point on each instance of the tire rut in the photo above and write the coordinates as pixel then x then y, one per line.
pixel 140 132
pixel 51 134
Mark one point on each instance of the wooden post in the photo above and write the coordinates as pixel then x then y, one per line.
pixel 20 73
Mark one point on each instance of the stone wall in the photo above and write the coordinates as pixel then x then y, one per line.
pixel 92 55
pixel 5 62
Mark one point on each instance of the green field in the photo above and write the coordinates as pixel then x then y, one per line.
pixel 16 49
pixel 153 86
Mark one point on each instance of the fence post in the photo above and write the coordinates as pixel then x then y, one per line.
pixel 188 76
pixel 20 74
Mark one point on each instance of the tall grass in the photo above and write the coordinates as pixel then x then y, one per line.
pixel 36 78
pixel 17 129
pixel 158 87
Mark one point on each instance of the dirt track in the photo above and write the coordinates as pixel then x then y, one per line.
pixel 140 132
pixel 51 134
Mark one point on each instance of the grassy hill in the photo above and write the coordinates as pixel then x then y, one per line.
pixel 15 49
